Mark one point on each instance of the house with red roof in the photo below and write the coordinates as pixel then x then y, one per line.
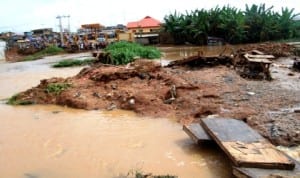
pixel 147 24
pixel 146 28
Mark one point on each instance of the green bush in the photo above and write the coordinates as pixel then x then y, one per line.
pixel 125 52
pixel 73 62
pixel 50 50
pixel 57 88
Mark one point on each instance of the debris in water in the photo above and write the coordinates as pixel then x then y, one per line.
pixel 30 175
pixel 250 93
pixel 56 112
pixel 132 101
pixel 112 106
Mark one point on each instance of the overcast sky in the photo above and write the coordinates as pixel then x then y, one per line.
pixel 25 15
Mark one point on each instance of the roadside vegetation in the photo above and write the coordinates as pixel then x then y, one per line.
pixel 125 52
pixel 257 23
pixel 73 62
pixel 50 50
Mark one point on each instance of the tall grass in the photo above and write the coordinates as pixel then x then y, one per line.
pixel 73 62
pixel 50 50
pixel 125 52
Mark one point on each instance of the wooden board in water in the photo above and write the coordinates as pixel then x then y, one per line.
pixel 257 60
pixel 260 56
pixel 242 172
pixel 197 133
pixel 244 146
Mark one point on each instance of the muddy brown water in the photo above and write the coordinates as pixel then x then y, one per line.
pixel 54 142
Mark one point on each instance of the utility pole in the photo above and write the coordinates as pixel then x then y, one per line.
pixel 69 24
pixel 61 27
pixel 61 30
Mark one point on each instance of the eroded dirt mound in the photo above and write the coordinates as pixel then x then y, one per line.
pixel 182 92
pixel 143 87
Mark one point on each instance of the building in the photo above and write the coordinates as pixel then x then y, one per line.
pixel 146 31
pixel 90 28
pixel 2 50
pixel 42 31
pixel 146 25
pixel 6 35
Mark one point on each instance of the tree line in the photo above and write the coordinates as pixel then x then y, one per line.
pixel 256 24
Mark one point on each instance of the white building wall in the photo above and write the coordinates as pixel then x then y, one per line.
pixel 2 50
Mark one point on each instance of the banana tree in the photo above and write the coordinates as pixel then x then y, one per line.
pixel 256 24
pixel 287 24
pixel 231 25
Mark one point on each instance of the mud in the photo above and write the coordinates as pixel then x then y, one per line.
pixel 186 93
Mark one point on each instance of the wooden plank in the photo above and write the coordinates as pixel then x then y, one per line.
pixel 197 133
pixel 257 52
pixel 258 60
pixel 259 56
pixel 241 172
pixel 244 146
pixel 266 61
pixel 293 43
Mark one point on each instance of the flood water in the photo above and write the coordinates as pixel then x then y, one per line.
pixel 58 142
